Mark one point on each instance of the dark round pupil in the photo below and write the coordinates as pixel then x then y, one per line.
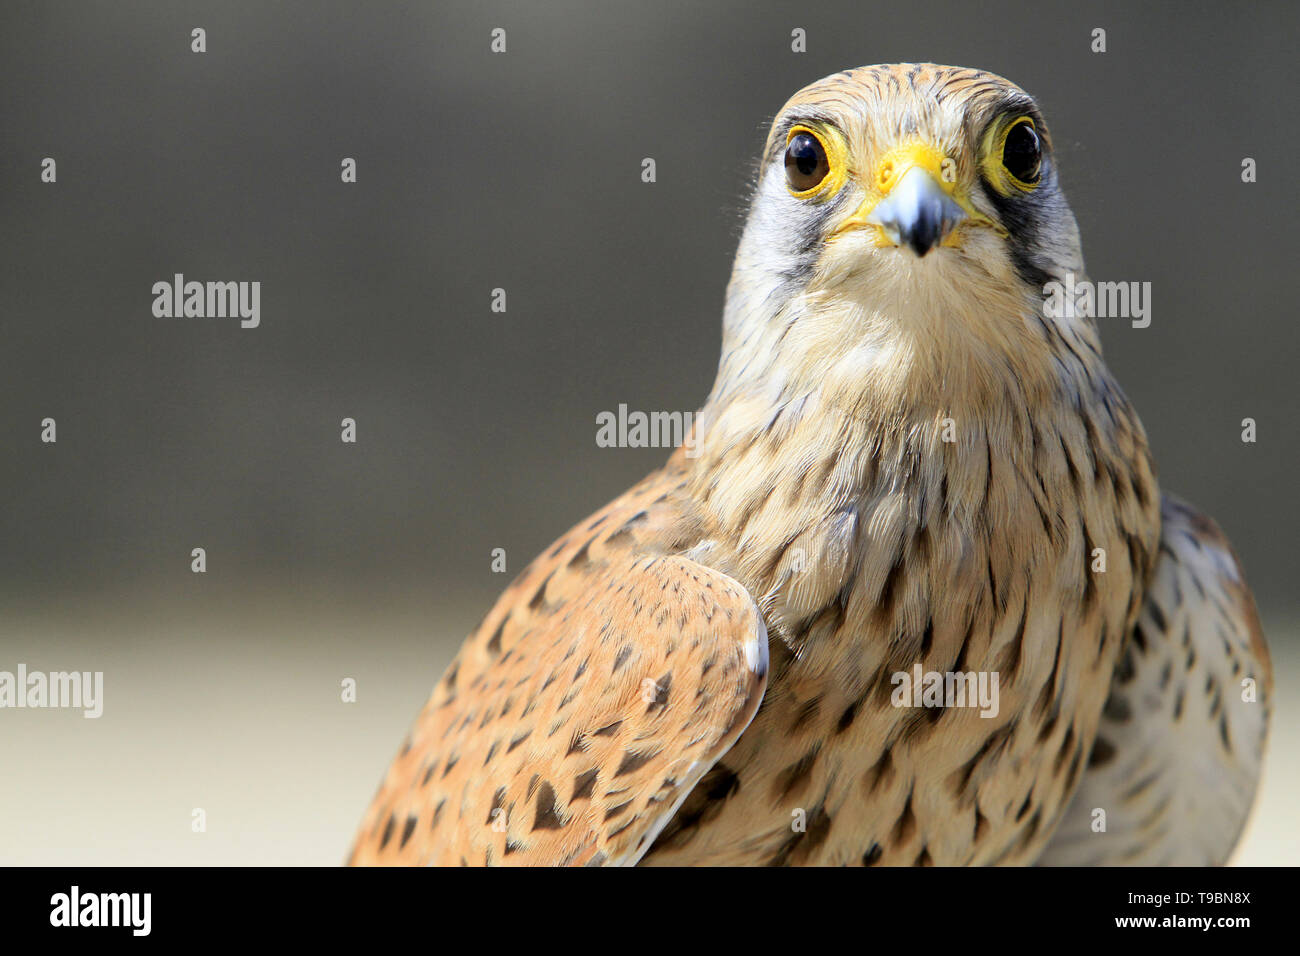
pixel 1022 153
pixel 805 162
pixel 806 154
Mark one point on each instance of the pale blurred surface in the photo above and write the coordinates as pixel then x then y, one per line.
pixel 218 707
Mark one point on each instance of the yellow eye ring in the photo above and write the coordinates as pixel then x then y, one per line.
pixel 814 162
pixel 1018 167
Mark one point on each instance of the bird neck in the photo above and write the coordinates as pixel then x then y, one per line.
pixel 982 474
pixel 835 399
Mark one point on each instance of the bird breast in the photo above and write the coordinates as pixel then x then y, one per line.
pixel 1013 547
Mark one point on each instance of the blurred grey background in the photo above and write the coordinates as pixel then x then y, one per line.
pixel 476 430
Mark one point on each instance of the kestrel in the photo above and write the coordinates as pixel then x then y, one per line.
pixel 905 466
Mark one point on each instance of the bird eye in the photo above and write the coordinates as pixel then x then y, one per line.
pixel 1022 153
pixel 806 164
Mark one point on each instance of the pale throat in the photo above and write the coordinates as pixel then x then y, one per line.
pixel 889 351
pixel 855 385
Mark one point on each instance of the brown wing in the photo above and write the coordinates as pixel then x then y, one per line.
pixel 1178 752
pixel 574 721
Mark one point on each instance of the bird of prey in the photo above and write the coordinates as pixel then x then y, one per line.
pixel 906 466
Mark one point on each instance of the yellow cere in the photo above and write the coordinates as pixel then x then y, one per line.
pixel 895 163
pixel 893 166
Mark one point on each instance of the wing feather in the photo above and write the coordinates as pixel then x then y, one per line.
pixel 580 714
pixel 1177 757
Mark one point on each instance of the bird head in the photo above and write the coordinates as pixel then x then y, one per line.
pixel 905 220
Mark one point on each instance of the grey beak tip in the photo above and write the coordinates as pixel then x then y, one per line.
pixel 920 244
pixel 924 230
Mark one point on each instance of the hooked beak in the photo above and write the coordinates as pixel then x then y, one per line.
pixel 913 201
pixel 917 212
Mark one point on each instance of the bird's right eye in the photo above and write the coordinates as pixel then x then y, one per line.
pixel 806 165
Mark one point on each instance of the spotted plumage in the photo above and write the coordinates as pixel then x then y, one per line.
pixel 1176 759
pixel 904 462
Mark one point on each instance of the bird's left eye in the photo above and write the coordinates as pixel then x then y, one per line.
pixel 806 164
pixel 1022 153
